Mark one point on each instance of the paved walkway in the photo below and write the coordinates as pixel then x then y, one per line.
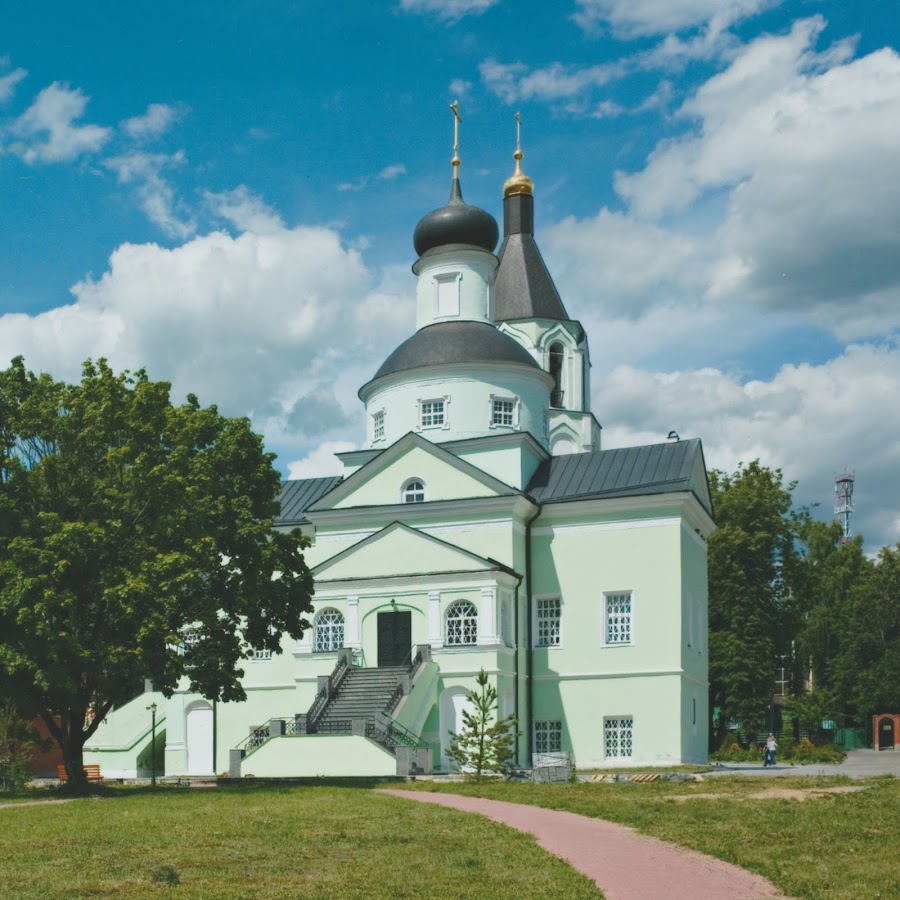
pixel 625 865
pixel 858 764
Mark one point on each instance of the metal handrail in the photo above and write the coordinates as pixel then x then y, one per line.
pixel 394 735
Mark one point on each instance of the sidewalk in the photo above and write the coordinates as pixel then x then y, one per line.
pixel 625 865
pixel 858 764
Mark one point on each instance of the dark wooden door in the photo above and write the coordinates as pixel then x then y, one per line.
pixel 394 637
pixel 886 735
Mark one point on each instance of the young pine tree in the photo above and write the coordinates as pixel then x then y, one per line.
pixel 485 743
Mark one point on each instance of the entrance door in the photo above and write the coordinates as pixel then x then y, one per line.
pixel 200 740
pixel 394 637
pixel 886 734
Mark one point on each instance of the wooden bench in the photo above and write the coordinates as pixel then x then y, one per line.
pixel 91 771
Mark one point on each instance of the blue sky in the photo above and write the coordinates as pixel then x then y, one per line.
pixel 226 194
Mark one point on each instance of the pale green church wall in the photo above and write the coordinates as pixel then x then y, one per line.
pixel 475 271
pixel 124 734
pixel 694 721
pixel 314 755
pixel 511 465
pixel 468 393
pixel 695 617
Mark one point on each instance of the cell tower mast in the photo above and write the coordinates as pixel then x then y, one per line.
pixel 843 488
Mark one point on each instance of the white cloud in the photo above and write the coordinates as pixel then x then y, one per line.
pixel 8 83
pixel 388 173
pixel 321 461
pixel 516 81
pixel 155 194
pixel 155 122
pixel 800 147
pixel 809 420
pixel 283 326
pixel 47 130
pixel 448 10
pixel 244 210
pixel 459 87
pixel 633 18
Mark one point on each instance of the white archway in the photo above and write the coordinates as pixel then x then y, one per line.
pixel 453 701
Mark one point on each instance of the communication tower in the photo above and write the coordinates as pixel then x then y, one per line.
pixel 843 488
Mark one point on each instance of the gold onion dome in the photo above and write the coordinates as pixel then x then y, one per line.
pixel 518 182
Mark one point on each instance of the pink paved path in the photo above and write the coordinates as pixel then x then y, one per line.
pixel 625 865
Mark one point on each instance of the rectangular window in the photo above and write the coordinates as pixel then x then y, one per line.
pixel 262 654
pixel 447 287
pixel 503 412
pixel 431 413
pixel 549 624
pixel 378 426
pixel 548 736
pixel 617 735
pixel 618 618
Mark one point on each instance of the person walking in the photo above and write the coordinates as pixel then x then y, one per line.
pixel 771 747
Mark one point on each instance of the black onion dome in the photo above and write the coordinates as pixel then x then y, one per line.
pixel 456 223
pixel 455 342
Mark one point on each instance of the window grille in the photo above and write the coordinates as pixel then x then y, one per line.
pixel 261 654
pixel 414 492
pixel 618 618
pixel 503 412
pixel 548 736
pixel 378 426
pixel 329 631
pixel 462 623
pixel 618 737
pixel 431 413
pixel 549 621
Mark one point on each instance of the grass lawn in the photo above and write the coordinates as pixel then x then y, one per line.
pixel 834 846
pixel 263 841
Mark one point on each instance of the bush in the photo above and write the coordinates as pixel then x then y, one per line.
pixel 17 740
pixel 807 752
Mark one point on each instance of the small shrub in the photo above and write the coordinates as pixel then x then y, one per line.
pixel 165 875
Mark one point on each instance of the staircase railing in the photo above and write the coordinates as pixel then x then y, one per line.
pixel 412 668
pixel 329 690
pixel 392 734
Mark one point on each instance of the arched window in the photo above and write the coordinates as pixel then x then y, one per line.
pixel 413 491
pixel 329 630
pixel 462 623
pixel 557 356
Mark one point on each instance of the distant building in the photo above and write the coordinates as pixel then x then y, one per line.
pixel 482 527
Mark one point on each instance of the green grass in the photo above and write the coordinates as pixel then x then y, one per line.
pixel 264 841
pixel 836 846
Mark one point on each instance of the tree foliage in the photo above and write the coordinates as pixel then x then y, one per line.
pixel 17 741
pixel 485 743
pixel 750 554
pixel 126 521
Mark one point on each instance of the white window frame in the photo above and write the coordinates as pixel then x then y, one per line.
pixel 447 278
pixel 545 729
pixel 472 619
pixel 503 398
pixel 420 414
pixel 610 595
pixel 378 420
pixel 538 600
pixel 406 490
pixel 620 727
pixel 319 616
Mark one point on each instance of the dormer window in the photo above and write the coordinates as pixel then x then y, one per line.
pixel 413 491
pixel 446 288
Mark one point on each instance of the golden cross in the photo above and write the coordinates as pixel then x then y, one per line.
pixel 457 118
pixel 518 131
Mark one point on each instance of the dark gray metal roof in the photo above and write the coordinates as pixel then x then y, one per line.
pixel 524 288
pixel 456 223
pixel 626 472
pixel 454 342
pixel 299 494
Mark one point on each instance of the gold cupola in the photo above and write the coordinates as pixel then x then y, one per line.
pixel 518 182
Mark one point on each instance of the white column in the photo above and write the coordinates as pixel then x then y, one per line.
pixel 487 616
pixel 351 639
pixel 435 632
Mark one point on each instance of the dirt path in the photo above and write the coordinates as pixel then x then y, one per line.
pixel 36 803
pixel 625 865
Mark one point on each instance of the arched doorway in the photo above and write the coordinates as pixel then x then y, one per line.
pixel 199 731
pixel 453 701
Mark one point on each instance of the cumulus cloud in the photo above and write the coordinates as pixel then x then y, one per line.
pixel 389 173
pixel 157 120
pixel 282 326
pixel 448 10
pixel 8 83
pixel 47 132
pixel 155 193
pixel 809 420
pixel 244 210
pixel 635 18
pixel 321 461
pixel 513 82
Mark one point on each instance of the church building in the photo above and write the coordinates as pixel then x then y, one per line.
pixel 481 527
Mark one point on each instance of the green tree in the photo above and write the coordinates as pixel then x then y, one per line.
pixel 749 555
pixel 485 743
pixel 125 522
pixel 17 741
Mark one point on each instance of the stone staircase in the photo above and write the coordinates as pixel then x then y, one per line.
pixel 363 693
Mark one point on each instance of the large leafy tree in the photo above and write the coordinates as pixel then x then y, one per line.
pixel 750 554
pixel 125 522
